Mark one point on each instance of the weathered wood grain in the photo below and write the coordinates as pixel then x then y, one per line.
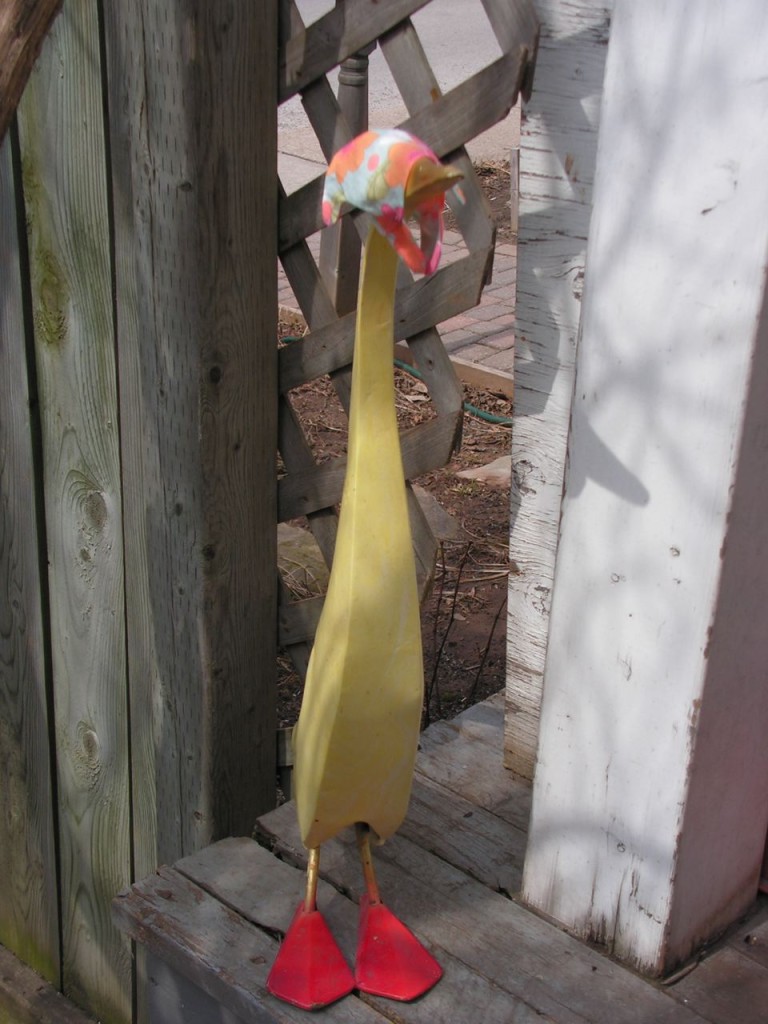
pixel 299 214
pixel 297 620
pixel 431 360
pixel 173 999
pixel 478 842
pixel 464 756
pixel 195 220
pixel 26 999
pixel 66 203
pixel 751 939
pixel 308 286
pixel 218 949
pixel 297 457
pixel 502 964
pixel 512 23
pixel 29 923
pixel 23 25
pixel 326 117
pixel 728 986
pixel 557 156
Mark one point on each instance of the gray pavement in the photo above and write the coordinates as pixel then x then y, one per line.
pixel 485 334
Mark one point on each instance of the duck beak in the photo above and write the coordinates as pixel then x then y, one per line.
pixel 427 179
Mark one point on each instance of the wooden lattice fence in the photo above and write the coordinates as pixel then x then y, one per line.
pixel 446 123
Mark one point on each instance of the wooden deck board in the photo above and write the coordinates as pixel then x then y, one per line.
pixel 530 959
pixel 219 951
pixel 751 939
pixel 478 842
pixel 245 877
pixel 727 986
pixel 465 756
pixel 25 998
pixel 446 874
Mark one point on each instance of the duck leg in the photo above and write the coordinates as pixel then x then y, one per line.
pixel 310 971
pixel 390 960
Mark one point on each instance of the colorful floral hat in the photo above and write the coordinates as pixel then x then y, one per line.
pixel 371 173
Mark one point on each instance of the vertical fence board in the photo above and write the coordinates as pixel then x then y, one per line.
pixel 29 923
pixel 193 125
pixel 64 179
pixel 557 159
pixel 139 447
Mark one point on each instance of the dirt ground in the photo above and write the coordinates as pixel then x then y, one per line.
pixel 464 616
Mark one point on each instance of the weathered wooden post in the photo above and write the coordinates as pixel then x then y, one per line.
pixel 558 147
pixel 651 789
pixel 194 141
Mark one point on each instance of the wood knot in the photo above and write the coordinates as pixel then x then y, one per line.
pixel 87 756
pixel 95 509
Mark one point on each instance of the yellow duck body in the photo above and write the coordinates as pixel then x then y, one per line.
pixel 356 739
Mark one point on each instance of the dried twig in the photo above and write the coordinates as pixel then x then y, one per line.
pixel 433 688
pixel 475 684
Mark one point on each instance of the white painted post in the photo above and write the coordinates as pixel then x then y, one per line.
pixel 558 143
pixel 651 790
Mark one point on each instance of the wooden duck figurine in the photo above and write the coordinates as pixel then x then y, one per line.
pixel 356 739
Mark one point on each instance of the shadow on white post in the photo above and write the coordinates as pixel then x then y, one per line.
pixel 651 789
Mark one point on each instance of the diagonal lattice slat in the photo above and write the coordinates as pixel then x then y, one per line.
pixel 446 122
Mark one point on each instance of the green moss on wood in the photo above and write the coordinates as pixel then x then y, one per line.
pixel 27 950
pixel 49 283
pixel 52 298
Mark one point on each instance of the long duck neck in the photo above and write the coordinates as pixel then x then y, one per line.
pixel 373 397
pixel 374 529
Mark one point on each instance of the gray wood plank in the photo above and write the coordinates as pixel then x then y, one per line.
pixel 465 756
pixel 513 22
pixel 751 939
pixel 328 121
pixel 64 156
pixel 251 881
pixel 727 987
pixel 195 223
pixel 174 999
pixel 29 923
pixel 25 998
pixel 307 284
pixel 470 838
pixel 299 214
pixel 550 971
